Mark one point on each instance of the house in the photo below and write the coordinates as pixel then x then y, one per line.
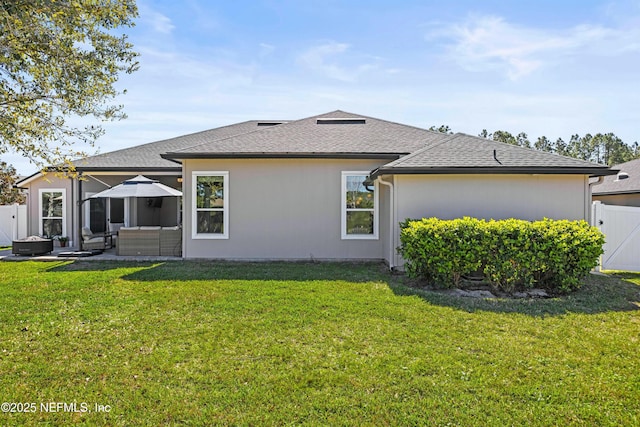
pixel 332 186
pixel 622 189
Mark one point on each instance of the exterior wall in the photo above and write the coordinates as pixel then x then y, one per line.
pixel 280 209
pixel 50 181
pixel 619 199
pixel 529 197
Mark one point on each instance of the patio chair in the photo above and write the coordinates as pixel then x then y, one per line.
pixel 92 241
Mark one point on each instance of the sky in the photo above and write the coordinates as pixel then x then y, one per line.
pixel 553 68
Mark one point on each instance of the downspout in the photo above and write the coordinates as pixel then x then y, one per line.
pixel 70 232
pixel 392 265
pixel 80 213
pixel 590 197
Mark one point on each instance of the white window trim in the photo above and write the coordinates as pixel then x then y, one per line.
pixel 343 208
pixel 194 210
pixel 64 208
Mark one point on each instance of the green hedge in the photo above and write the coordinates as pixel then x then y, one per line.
pixel 512 254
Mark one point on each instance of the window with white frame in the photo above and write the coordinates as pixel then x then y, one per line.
pixel 359 206
pixel 210 205
pixel 52 205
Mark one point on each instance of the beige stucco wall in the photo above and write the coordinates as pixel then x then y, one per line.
pixel 280 209
pixel 529 197
pixel 50 181
pixel 619 199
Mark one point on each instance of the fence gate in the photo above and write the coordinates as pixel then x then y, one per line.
pixel 621 227
pixel 13 223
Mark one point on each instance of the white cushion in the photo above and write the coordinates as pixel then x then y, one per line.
pixel 86 232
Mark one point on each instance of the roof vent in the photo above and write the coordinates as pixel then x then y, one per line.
pixel 340 121
pixel 269 123
pixel 621 175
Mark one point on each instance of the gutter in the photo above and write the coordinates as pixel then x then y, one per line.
pixel 592 172
pixel 282 155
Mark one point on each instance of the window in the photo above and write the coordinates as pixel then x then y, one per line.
pixel 359 206
pixel 52 212
pixel 211 205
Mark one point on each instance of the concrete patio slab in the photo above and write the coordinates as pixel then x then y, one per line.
pixel 107 255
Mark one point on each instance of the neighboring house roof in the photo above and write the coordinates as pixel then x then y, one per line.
pixel 334 134
pixel 147 156
pixel 614 185
pixel 460 153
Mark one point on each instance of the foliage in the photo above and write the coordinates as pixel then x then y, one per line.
pixel 554 254
pixel 604 148
pixel 8 178
pixel 599 148
pixel 442 129
pixel 429 246
pixel 189 343
pixel 59 61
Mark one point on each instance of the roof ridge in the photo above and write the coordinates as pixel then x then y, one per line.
pixel 264 129
pixel 424 149
pixel 387 121
pixel 270 128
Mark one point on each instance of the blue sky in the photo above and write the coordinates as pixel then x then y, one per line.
pixel 552 68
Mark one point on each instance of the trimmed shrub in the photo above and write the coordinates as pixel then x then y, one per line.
pixel 512 254
pixel 441 252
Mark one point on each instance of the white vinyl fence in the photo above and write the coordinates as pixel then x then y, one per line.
pixel 13 223
pixel 621 228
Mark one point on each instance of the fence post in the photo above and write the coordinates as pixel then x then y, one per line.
pixel 596 221
pixel 14 221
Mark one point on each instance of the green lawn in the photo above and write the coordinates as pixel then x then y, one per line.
pixel 312 344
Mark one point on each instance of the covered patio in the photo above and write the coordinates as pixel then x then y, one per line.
pixel 139 217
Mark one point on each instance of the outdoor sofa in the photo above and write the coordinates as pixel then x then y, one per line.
pixel 150 241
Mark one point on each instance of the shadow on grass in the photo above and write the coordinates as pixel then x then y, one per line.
pixel 599 294
pixel 230 270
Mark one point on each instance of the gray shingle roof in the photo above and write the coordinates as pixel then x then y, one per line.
pixel 147 156
pixel 338 134
pixel 331 133
pixel 460 152
pixel 624 186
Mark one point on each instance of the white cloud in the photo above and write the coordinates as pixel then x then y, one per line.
pixel 491 43
pixel 156 20
pixel 266 49
pixel 324 59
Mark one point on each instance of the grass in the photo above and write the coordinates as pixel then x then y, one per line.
pixel 311 344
